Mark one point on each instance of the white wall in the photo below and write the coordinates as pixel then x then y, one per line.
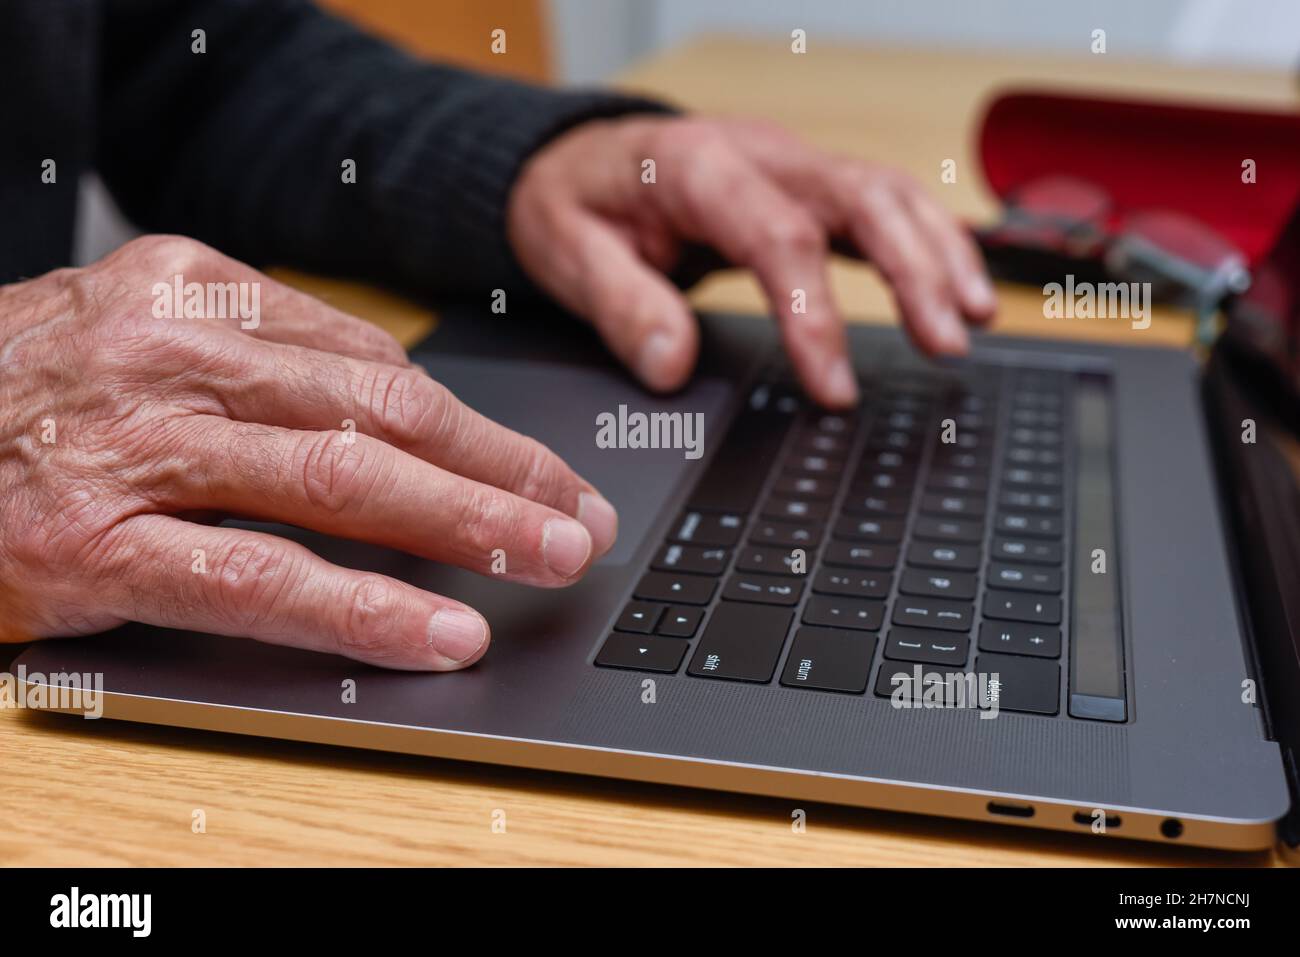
pixel 598 37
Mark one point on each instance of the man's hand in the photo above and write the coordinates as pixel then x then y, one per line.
pixel 593 234
pixel 124 432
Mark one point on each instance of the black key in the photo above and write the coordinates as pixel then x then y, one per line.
pixel 787 534
pixel 816 442
pixel 1025 455
pixel 947 458
pixel 1023 523
pixel 834 423
pixel 741 643
pixel 888 459
pixel 817 465
pixel 882 483
pixel 870 504
pixel 806 487
pixel 642 653
pixel 684 589
pixel 829 659
pixel 795 510
pixel 949 530
pixel 1013 606
pixel 1027 550
pixel 847 555
pixel 1020 638
pixel 1030 501
pixel 640 617
pixel 962 558
pixel 955 506
pixel 933 613
pixel 884 441
pixel 691 559
pixel 1041 437
pixel 769 559
pixel 1032 478
pixel 887 684
pixel 927 646
pixel 680 622
pixel 957 482
pixel 767 589
pixel 708 529
pixel 851 584
pixel 1024 684
pixel 844 613
pixel 731 483
pixel 959 586
pixel 860 529
pixel 1025 578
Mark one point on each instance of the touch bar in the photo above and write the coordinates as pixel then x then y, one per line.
pixel 1096 631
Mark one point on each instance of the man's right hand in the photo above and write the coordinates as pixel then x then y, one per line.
pixel 125 436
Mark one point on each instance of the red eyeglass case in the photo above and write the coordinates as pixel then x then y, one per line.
pixel 1152 155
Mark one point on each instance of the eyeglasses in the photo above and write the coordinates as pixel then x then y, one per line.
pixel 1060 223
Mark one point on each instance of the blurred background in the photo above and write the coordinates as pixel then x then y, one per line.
pixel 586 41
pixel 594 41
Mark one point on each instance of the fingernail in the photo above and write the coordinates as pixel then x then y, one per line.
pixel 457 634
pixel 841 383
pixel 654 361
pixel 566 546
pixel 600 518
pixel 952 334
pixel 980 293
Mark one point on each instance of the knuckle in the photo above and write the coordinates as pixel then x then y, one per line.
pixel 488 521
pixel 165 248
pixel 373 618
pixel 403 403
pixel 249 582
pixel 330 470
pixel 794 232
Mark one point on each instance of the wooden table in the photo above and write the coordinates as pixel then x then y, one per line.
pixel 82 792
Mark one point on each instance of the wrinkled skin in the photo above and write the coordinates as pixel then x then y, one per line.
pixel 599 239
pixel 161 424
pixel 126 437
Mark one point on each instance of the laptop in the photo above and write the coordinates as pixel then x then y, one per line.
pixel 1002 589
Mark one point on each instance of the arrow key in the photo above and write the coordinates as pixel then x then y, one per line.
pixel 642 653
pixel 681 622
pixel 638 617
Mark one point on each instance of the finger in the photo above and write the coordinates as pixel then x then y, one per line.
pixel 357 487
pixel 956 250
pixel 889 236
pixel 298 388
pixel 640 316
pixel 226 581
pixel 723 199
pixel 939 274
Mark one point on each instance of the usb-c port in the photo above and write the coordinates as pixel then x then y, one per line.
pixel 1011 810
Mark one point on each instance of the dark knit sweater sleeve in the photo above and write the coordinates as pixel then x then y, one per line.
pixel 243 146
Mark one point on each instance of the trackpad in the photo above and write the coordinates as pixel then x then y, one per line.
pixel 565 407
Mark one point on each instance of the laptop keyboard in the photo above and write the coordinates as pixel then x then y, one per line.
pixel 829 551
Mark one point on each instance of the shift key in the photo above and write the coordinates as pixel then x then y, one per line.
pixel 741 643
